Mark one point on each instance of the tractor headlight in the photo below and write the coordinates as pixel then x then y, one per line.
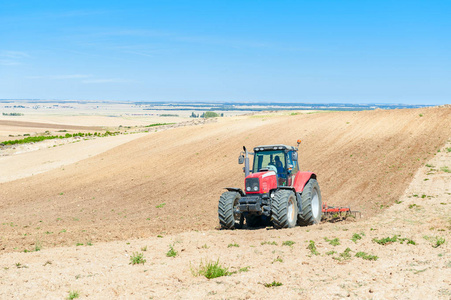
pixel 252 185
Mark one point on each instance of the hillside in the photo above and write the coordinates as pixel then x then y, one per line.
pixel 168 182
pixel 401 253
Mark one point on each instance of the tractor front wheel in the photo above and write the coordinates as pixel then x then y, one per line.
pixel 284 209
pixel 311 204
pixel 228 203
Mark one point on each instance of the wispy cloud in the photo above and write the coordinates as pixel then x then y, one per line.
pixel 60 77
pixel 12 58
pixel 8 62
pixel 106 80
pixel 14 54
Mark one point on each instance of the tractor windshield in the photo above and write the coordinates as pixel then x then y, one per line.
pixel 273 160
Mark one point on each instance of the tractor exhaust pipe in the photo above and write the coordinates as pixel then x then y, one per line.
pixel 246 162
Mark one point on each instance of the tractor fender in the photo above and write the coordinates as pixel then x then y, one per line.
pixel 238 190
pixel 301 180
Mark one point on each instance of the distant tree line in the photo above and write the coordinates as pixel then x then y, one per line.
pixel 12 114
pixel 206 115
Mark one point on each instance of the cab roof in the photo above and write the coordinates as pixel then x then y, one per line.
pixel 274 147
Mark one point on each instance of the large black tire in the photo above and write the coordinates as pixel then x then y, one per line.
pixel 311 204
pixel 226 208
pixel 284 209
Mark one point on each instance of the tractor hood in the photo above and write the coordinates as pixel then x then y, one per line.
pixel 260 182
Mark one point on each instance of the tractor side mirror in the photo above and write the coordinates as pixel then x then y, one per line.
pixel 295 156
pixel 241 159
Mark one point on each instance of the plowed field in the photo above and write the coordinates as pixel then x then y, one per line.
pixel 169 182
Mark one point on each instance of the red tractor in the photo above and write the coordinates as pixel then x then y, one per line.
pixel 276 192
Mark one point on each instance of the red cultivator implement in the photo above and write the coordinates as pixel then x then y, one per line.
pixel 335 213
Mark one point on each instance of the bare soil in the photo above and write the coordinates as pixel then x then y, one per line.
pixel 168 183
pixel 257 258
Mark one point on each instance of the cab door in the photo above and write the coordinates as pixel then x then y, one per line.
pixel 292 166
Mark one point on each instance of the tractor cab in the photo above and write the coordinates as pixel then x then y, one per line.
pixel 280 159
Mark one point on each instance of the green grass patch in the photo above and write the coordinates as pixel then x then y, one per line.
pixel 137 258
pixel 269 243
pixel 159 124
pixel 334 242
pixel 212 269
pixel 445 169
pixel 73 295
pixel 272 284
pixel 171 252
pixel 160 205
pixel 438 242
pixel 394 239
pixel 345 255
pixel 39 138
pixel 312 247
pixel 288 243
pixel 233 245
pixel 366 256
pixel 356 237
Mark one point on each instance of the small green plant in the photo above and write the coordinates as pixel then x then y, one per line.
pixel 448 149
pixel 160 205
pixel 269 243
pixel 356 237
pixel 288 243
pixel 334 242
pixel 345 255
pixel 331 252
pixel 212 269
pixel 445 169
pixel 232 245
pixel 395 238
pixel 366 256
pixel 79 244
pixel 137 258
pixel 278 259
pixel 144 248
pixel 20 266
pixel 244 269
pixel 37 246
pixel 272 284
pixel 205 246
pixel 312 247
pixel 420 115
pixel 385 241
pixel 438 242
pixel 159 236
pixel 415 206
pixel 73 295
pixel 171 252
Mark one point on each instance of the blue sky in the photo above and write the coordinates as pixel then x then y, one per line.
pixel 278 51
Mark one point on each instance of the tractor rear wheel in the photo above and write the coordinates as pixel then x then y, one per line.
pixel 228 203
pixel 284 209
pixel 311 204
